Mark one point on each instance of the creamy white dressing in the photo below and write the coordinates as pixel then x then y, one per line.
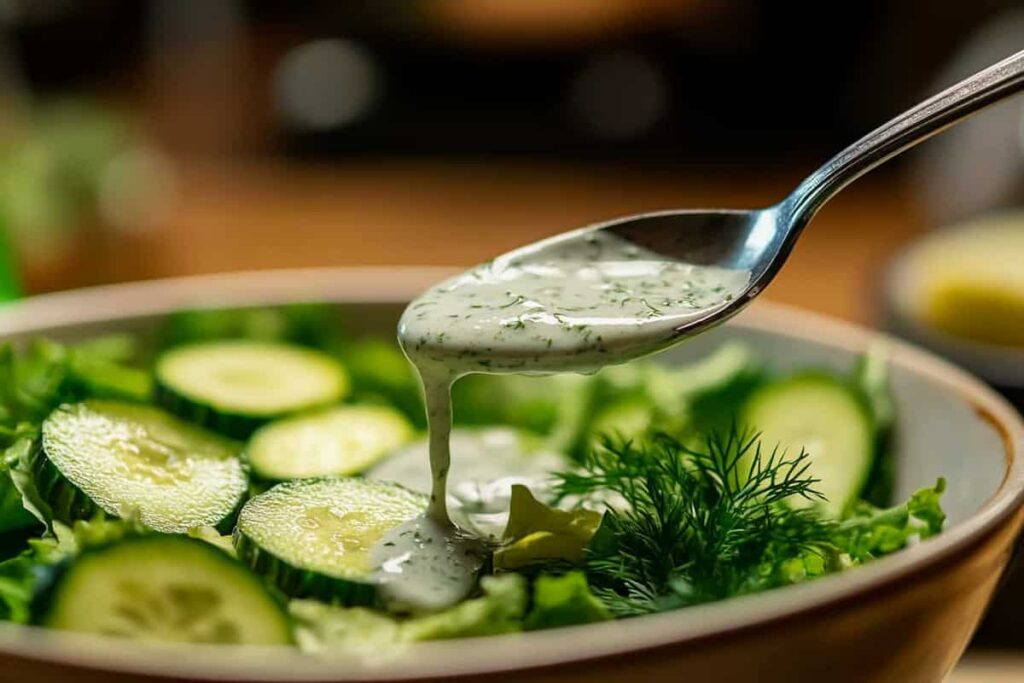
pixel 564 306
pixel 559 306
pixel 424 565
pixel 485 464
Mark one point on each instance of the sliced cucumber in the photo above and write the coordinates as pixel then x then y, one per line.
pixel 126 458
pixel 312 537
pixel 827 418
pixel 235 386
pixel 163 588
pixel 336 441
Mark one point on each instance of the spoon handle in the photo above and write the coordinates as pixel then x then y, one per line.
pixel 919 123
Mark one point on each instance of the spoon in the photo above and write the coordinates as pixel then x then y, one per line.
pixel 633 286
pixel 760 240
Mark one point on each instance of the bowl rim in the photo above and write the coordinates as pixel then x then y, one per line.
pixel 514 652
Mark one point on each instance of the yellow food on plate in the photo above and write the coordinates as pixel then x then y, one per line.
pixel 969 282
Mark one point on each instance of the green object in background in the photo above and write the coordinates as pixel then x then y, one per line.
pixel 10 281
pixel 54 157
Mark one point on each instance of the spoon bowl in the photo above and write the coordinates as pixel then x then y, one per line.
pixel 744 240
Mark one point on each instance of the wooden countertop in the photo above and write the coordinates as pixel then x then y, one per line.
pixel 987 667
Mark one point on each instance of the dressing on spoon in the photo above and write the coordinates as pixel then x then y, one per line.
pixel 557 306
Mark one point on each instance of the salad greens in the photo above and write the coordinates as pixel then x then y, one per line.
pixel 663 498
pixel 500 609
pixel 33 384
pixel 21 574
pixel 536 533
pixel 704 524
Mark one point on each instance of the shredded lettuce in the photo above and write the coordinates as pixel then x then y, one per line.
pixel 564 600
pixel 555 405
pixel 354 631
pixel 308 324
pixel 868 532
pixel 556 601
pixel 871 377
pixel 500 610
pixel 35 382
pixel 210 535
pixel 18 510
pixel 364 632
pixel 639 399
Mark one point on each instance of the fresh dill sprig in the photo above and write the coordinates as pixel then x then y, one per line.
pixel 698 524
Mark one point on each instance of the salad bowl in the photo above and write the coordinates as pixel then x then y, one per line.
pixel 905 617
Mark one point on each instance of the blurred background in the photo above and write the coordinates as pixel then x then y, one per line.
pixel 154 138
pixel 149 138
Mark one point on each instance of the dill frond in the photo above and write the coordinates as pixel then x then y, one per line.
pixel 699 524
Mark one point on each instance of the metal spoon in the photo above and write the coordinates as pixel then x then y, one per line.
pixel 760 240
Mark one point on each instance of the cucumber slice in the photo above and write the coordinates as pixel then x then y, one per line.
pixel 126 457
pixel 826 417
pixel 336 441
pixel 312 537
pixel 163 588
pixel 235 386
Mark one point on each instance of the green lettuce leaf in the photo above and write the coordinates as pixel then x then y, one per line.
pixel 357 631
pixel 500 610
pixel 871 376
pixel 35 382
pixel 97 377
pixel 16 511
pixel 213 537
pixel 635 400
pixel 869 532
pixel 20 481
pixel 554 405
pixel 368 633
pixel 564 600
pixel 537 534
pixel 308 324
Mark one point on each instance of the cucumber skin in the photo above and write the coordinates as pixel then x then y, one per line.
pixel 234 425
pixel 44 592
pixel 49 578
pixel 302 583
pixel 68 503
